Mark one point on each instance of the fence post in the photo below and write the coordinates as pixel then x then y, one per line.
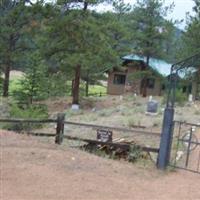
pixel 60 128
pixel 166 139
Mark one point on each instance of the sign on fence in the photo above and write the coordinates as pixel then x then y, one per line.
pixel 104 135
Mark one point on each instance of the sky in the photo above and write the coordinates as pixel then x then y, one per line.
pixel 179 12
pixel 180 9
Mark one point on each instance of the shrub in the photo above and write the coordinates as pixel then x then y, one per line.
pixel 180 98
pixel 135 153
pixel 131 122
pixel 106 112
pixel 31 112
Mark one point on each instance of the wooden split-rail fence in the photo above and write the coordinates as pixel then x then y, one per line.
pixel 60 136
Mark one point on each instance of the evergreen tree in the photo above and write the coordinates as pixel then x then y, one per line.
pixel 77 42
pixel 34 85
pixel 191 43
pixel 191 38
pixel 17 20
pixel 149 27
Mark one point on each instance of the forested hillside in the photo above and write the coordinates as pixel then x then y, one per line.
pixel 64 44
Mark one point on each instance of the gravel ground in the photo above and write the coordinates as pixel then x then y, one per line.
pixel 31 169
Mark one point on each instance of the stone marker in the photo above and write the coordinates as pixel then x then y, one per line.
pixel 75 107
pixel 190 98
pixel 152 107
pixel 150 98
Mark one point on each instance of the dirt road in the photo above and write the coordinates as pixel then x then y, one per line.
pixel 34 170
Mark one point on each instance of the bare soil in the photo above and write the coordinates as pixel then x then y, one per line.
pixel 31 169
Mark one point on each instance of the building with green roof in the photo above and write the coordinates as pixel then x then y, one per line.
pixel 134 76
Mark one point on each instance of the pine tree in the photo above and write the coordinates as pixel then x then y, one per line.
pixel 191 43
pixel 191 38
pixel 149 28
pixel 17 21
pixel 34 85
pixel 78 43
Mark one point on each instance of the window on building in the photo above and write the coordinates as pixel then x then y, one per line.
pixel 184 89
pixel 163 87
pixel 150 83
pixel 119 79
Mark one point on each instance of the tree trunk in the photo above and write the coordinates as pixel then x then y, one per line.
pixel 75 97
pixel 6 80
pixel 72 87
pixel 7 69
pixel 87 84
pixel 144 81
pixel 85 6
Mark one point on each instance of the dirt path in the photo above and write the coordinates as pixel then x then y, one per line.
pixel 34 170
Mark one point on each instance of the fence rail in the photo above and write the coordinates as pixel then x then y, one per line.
pixel 186 123
pixel 133 130
pixel 116 128
pixel 59 135
pixel 28 120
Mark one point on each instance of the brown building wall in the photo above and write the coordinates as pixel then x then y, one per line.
pixel 131 85
pixel 156 91
pixel 115 89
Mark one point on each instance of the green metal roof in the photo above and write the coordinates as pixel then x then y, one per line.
pixel 161 66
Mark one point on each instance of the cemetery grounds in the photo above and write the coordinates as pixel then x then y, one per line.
pixel 35 168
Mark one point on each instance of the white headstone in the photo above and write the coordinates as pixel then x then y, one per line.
pixel 94 109
pixel 121 97
pixel 150 98
pixel 75 107
pixel 190 98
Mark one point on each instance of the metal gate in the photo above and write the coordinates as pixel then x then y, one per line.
pixel 185 149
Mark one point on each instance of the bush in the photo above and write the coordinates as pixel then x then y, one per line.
pixel 180 98
pixel 31 112
pixel 135 153
pixel 131 122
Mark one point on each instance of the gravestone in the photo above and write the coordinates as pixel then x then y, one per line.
pixel 75 107
pixel 190 98
pixel 152 107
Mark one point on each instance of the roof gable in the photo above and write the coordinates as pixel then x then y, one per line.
pixel 160 66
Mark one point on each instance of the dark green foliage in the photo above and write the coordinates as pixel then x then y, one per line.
pixel 180 99
pixel 31 112
pixel 191 38
pixel 80 42
pixel 50 41
pixel 19 23
pixel 34 85
pixel 135 153
pixel 149 27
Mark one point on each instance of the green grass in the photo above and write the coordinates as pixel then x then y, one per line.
pixel 14 85
pixel 97 89
pixel 93 89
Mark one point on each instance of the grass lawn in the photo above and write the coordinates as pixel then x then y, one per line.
pixel 93 89
pixel 97 89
